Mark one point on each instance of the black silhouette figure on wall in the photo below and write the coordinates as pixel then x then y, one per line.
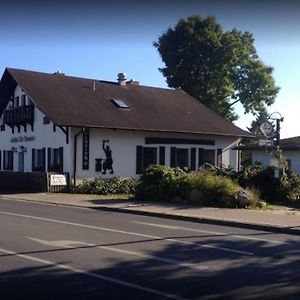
pixel 108 162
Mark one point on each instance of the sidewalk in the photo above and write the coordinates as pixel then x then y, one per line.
pixel 277 219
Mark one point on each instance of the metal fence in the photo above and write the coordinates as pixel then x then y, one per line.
pixel 27 181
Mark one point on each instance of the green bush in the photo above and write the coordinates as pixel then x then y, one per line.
pixel 289 190
pixel 100 186
pixel 221 170
pixel 260 178
pixel 274 190
pixel 161 183
pixel 217 190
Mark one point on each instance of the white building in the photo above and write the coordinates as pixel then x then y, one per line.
pixel 92 128
pixel 263 155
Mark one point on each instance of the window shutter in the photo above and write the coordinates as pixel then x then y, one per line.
pixel 193 159
pixel 219 157
pixel 139 159
pixel 61 159
pixel 49 159
pixel 201 157
pixel 32 159
pixel 162 151
pixel 44 159
pixel 173 157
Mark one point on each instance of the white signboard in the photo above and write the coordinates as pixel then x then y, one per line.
pixel 58 179
pixel 266 143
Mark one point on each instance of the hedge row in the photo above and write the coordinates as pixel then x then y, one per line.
pixel 213 187
pixel 112 186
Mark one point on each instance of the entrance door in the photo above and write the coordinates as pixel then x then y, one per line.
pixel 21 162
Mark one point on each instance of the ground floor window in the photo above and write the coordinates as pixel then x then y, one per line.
pixel 39 160
pixel 206 156
pixel 209 156
pixel 145 156
pixel 8 160
pixel 55 159
pixel 182 158
pixel 179 157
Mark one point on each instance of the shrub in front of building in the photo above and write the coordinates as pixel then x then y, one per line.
pixel 112 186
pixel 213 190
pixel 290 189
pixel 285 189
pixel 162 183
pixel 260 178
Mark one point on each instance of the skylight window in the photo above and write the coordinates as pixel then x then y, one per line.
pixel 120 103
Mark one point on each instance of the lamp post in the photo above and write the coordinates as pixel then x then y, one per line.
pixel 277 117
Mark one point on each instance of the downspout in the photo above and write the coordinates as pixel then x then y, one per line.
pixel 239 157
pixel 75 156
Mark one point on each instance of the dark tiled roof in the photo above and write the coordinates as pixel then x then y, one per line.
pixel 71 101
pixel 292 143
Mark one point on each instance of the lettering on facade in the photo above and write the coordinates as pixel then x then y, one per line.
pixel 85 149
pixel 21 139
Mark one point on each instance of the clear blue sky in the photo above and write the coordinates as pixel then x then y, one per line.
pixel 99 39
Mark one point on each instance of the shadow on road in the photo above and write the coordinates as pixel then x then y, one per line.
pixel 272 272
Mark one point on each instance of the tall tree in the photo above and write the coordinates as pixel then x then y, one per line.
pixel 218 68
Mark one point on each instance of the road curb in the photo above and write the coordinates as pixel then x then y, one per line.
pixel 203 220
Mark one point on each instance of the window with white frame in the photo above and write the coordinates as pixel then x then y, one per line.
pixel 179 157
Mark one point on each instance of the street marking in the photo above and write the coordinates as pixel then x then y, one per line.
pixel 128 233
pixel 59 243
pixel 94 275
pixel 72 245
pixel 210 232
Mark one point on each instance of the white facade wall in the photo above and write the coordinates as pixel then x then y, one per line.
pixel 43 136
pixel 123 146
pixel 266 158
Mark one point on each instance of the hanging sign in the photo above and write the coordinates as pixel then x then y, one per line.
pixel 85 149
pixel 266 142
pixel 267 129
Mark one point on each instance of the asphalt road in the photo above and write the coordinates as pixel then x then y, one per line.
pixel 57 252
